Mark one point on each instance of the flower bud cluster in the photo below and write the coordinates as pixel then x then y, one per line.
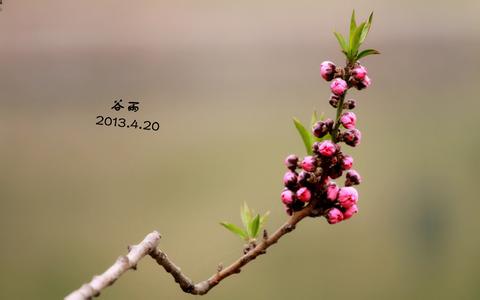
pixel 309 181
pixel 311 178
pixel 342 79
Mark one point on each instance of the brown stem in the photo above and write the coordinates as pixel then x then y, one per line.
pixel 149 246
pixel 345 76
pixel 123 264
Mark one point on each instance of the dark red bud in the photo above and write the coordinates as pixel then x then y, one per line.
pixel 350 104
pixel 320 129
pixel 329 123
pixel 334 99
pixel 291 162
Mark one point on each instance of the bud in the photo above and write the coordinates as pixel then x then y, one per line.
pixel 304 194
pixel 352 178
pixel 349 104
pixel 327 70
pixel 319 129
pixel 359 73
pixel 352 137
pixel 309 163
pixel 347 162
pixel 287 197
pixel 334 100
pixel 366 82
pixel 326 148
pixel 329 123
pixel 349 212
pixel 335 172
pixel 332 191
pixel 347 196
pixel 305 178
pixel 334 215
pixel 291 162
pixel 290 179
pixel 348 120
pixel 338 86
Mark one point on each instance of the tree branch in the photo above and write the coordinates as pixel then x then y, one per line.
pixel 149 246
pixel 123 263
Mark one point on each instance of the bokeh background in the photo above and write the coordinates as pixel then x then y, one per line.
pixel 223 79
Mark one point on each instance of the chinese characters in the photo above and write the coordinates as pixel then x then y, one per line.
pixel 132 105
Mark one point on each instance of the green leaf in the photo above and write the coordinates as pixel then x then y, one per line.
pixel 366 53
pixel 264 218
pixel 246 215
pixel 366 29
pixel 305 135
pixel 322 116
pixel 254 227
pixel 235 229
pixel 314 118
pixel 353 23
pixel 341 41
pixel 355 40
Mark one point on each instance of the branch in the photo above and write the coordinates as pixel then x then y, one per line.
pixel 149 246
pixel 123 263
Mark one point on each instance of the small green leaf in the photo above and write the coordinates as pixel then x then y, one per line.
pixel 254 227
pixel 366 29
pixel 264 218
pixel 305 135
pixel 366 53
pixel 355 40
pixel 353 23
pixel 245 214
pixel 322 116
pixel 235 229
pixel 314 118
pixel 341 41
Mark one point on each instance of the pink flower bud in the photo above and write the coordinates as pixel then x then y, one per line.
pixel 347 196
pixel 352 137
pixel 309 164
pixel 349 212
pixel 304 194
pixel 359 73
pixel 327 70
pixel 352 178
pixel 287 197
pixel 327 148
pixel 334 215
pixel 338 86
pixel 332 191
pixel 347 162
pixel 348 119
pixel 290 179
pixel 291 162
pixel 366 82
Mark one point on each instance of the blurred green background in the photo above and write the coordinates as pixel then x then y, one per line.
pixel 223 79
